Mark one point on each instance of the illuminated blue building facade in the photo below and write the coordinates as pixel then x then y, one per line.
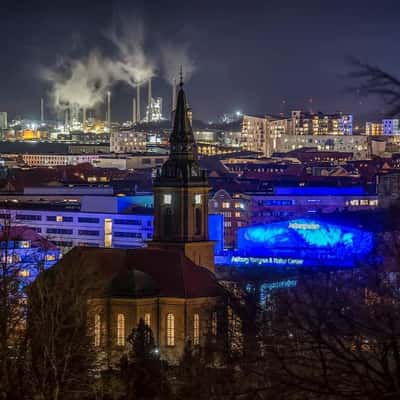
pixel 300 243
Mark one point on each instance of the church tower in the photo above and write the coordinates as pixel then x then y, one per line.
pixel 181 195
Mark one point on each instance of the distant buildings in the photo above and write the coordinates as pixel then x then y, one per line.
pixel 391 126
pixel 126 141
pixel 373 128
pixel 303 123
pixel 356 144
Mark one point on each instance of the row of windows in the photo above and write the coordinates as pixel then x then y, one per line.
pixel 129 222
pixel 170 328
pixel 59 231
pixel 137 235
pixel 28 217
pixel 89 220
pixel 59 218
pixel 85 232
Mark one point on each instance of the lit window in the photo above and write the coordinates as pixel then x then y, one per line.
pixel 226 204
pixel 59 218
pixel 363 202
pixel 237 214
pixel 373 202
pixel 25 244
pixel 50 257
pixel 196 329
pixel 24 273
pixel 97 330
pixel 170 330
pixel 167 199
pixel 354 202
pixel 147 319
pixel 121 330
pixel 197 199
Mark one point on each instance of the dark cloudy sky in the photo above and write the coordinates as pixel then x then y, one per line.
pixel 250 55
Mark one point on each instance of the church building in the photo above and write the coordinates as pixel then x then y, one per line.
pixel 170 284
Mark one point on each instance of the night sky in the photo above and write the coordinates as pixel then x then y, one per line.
pixel 249 55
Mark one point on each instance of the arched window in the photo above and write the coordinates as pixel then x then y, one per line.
pixel 121 330
pixel 147 319
pixel 196 329
pixel 170 330
pixel 198 221
pixel 97 330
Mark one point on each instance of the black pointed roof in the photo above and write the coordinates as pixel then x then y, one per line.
pixel 182 166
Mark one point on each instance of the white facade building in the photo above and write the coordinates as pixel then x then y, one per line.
pixel 356 144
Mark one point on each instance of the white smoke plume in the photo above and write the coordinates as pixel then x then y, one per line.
pixel 84 82
pixel 81 83
pixel 133 65
pixel 172 58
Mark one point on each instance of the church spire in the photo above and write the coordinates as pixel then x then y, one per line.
pixel 182 141
pixel 182 164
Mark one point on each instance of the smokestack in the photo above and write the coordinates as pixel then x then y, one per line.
pixel 42 110
pixel 66 119
pixel 134 113
pixel 149 94
pixel 83 115
pixel 109 110
pixel 138 103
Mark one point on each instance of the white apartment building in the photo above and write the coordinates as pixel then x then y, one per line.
pixel 51 160
pixel 356 144
pixel 134 161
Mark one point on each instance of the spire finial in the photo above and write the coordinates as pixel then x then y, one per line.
pixel 180 76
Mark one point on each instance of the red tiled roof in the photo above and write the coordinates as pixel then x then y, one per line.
pixel 174 274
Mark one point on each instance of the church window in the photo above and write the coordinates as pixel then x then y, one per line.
pixel 170 330
pixel 196 329
pixel 121 330
pixel 167 198
pixel 197 198
pixel 97 330
pixel 147 319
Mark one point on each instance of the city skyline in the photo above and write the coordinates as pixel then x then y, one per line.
pixel 244 58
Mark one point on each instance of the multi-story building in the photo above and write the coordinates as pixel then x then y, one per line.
pixel 284 203
pixel 126 141
pixel 373 128
pixel 254 134
pixel 293 202
pixel 356 144
pixel 51 160
pixel 131 161
pixel 303 123
pixel 234 208
pixel 391 126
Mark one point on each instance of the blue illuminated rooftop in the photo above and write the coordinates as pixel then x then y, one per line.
pixel 301 242
pixel 320 191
